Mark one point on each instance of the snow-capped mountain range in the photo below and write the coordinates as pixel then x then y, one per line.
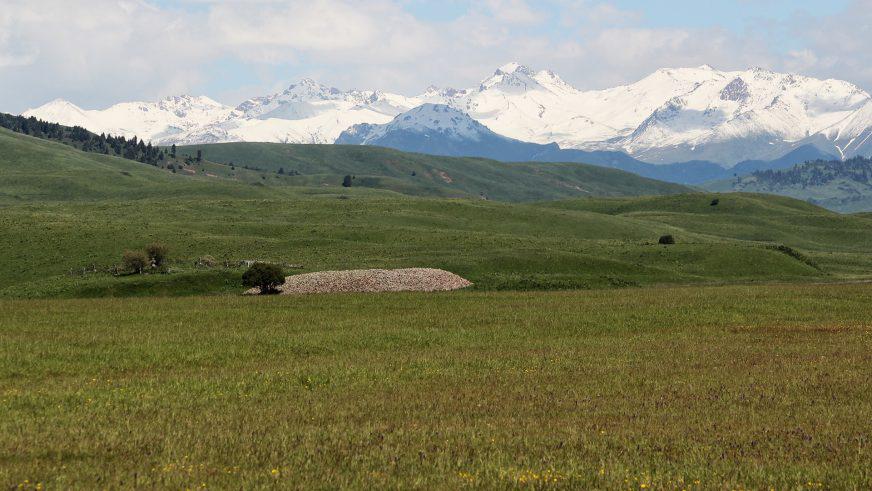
pixel 673 115
pixel 438 129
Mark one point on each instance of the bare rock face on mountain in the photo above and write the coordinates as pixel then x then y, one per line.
pixel 673 115
pixel 736 91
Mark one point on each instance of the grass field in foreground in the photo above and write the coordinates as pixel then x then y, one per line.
pixel 705 387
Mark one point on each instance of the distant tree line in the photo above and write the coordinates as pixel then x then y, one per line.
pixel 818 173
pixel 82 139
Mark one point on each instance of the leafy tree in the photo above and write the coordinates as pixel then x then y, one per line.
pixel 264 276
pixel 157 253
pixel 134 261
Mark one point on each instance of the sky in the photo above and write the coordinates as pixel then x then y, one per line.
pixel 95 53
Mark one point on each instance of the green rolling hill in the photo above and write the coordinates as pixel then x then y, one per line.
pixel 844 186
pixel 34 170
pixel 39 169
pixel 66 217
pixel 428 175
pixel 742 216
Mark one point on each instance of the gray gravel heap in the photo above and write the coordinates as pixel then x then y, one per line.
pixel 372 280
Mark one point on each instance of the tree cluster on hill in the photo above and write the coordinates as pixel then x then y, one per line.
pixel 818 173
pixel 153 255
pixel 82 139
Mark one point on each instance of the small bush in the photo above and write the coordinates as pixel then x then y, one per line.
pixel 157 253
pixel 266 277
pixel 666 240
pixel 346 181
pixel 134 261
pixel 715 202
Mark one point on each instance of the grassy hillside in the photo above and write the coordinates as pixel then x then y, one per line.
pixel 844 186
pixel 496 245
pixel 40 170
pixel 751 217
pixel 838 244
pixel 68 216
pixel 428 175
pixel 35 170
pixel 760 387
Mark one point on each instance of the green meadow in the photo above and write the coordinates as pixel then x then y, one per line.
pixel 586 355
pixel 736 387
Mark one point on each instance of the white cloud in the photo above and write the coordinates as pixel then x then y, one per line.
pixel 14 52
pixel 836 46
pixel 98 51
pixel 514 11
pixel 320 26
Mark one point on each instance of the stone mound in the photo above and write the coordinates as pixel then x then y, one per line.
pixel 372 280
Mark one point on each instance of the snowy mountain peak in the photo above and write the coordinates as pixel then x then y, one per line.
pixel 307 89
pixel 692 74
pixel 425 121
pixel 439 114
pixel 434 92
pixel 548 78
pixel 189 101
pixel 513 67
pixel 56 105
pixel 511 77
pixel 183 107
pixel 672 115
pixel 59 102
pixel 60 110
pixel 440 118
